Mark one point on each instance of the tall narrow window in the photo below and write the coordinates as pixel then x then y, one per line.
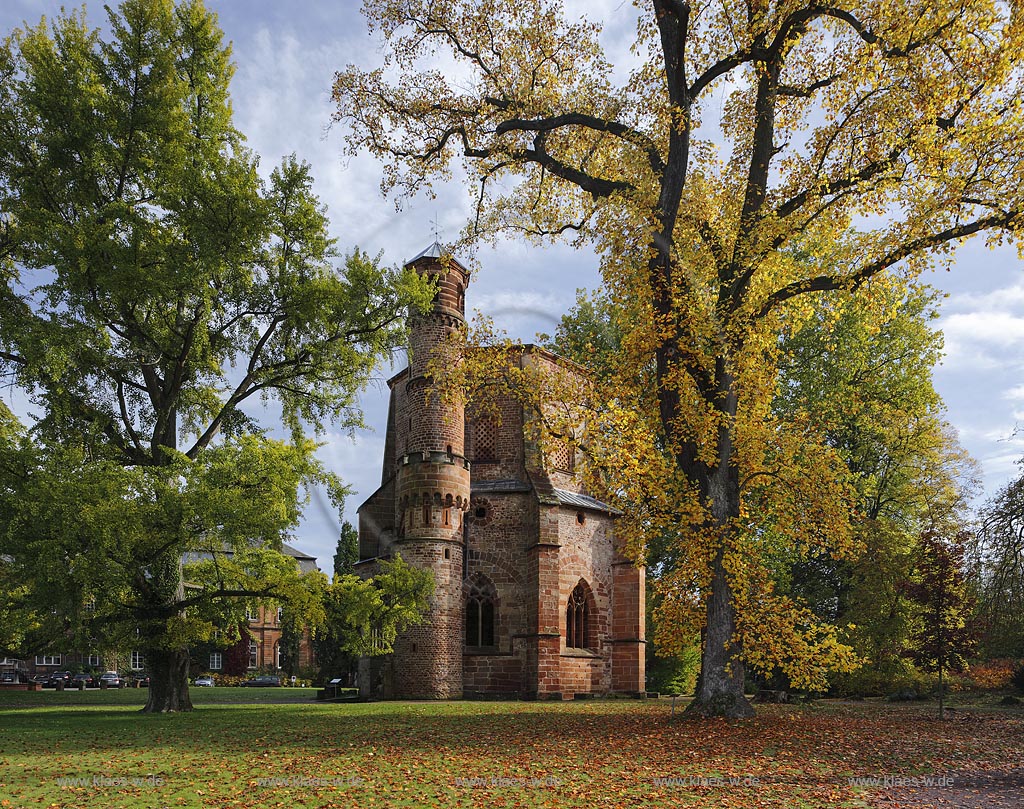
pixel 480 614
pixel 564 456
pixel 216 661
pixel 485 440
pixel 577 615
pixel 253 654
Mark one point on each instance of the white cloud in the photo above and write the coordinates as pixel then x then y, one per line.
pixel 983 340
pixel 999 300
pixel 996 328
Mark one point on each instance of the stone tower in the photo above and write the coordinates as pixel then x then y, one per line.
pixel 432 490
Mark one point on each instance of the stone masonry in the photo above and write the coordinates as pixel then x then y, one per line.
pixel 533 597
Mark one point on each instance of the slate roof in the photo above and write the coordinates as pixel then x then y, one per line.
pixel 564 497
pixel 433 251
pixel 305 562
pixel 567 498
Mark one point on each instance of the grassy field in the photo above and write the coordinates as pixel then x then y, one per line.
pixel 96 750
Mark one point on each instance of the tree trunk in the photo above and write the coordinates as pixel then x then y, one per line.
pixel 942 695
pixel 168 686
pixel 722 673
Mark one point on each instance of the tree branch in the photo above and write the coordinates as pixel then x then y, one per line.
pixel 589 122
pixel 826 283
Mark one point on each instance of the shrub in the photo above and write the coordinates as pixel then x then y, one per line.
pixel 880 680
pixel 228 680
pixel 1017 678
pixel 675 675
pixel 991 674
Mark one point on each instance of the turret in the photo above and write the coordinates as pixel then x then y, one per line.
pixel 433 489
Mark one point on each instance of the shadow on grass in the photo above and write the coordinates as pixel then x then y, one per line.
pixel 222 729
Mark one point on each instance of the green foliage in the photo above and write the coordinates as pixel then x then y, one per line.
pixel 879 679
pixel 365 616
pixel 860 373
pixel 861 370
pixel 91 524
pixel 588 334
pixel 347 553
pixel 675 674
pixel 999 558
pixel 155 287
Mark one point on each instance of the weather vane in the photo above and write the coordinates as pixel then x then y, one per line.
pixel 437 229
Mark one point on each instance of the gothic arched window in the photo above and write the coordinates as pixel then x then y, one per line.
pixel 480 614
pixel 577 619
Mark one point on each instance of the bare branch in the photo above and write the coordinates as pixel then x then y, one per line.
pixel 589 122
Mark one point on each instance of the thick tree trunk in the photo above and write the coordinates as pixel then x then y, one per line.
pixel 168 686
pixel 722 674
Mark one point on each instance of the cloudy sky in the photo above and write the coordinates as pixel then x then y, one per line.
pixel 286 52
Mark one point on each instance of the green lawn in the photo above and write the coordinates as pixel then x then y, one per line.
pixel 96 750
pixel 48 697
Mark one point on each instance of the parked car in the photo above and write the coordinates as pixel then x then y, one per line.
pixel 140 679
pixel 57 677
pixel 112 679
pixel 206 681
pixel 85 677
pixel 263 681
pixel 40 678
pixel 8 676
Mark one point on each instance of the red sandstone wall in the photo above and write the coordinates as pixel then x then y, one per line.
pixel 504 423
pixel 492 674
pixel 432 494
pixel 497 550
pixel 586 553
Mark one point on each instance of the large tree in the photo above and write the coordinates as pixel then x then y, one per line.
pixel 861 370
pixel 857 373
pixel 156 290
pixel 998 551
pixel 754 153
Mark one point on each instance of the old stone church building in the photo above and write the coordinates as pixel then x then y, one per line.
pixel 533 596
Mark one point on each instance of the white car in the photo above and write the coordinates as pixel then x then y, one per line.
pixel 205 681
pixel 112 679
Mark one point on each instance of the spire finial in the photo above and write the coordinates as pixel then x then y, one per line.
pixel 437 229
